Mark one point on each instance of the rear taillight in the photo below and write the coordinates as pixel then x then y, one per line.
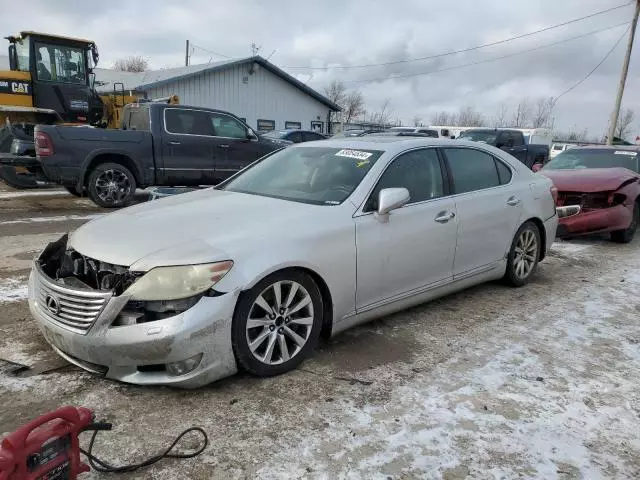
pixel 554 194
pixel 44 145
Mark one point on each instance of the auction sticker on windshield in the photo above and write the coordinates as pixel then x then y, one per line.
pixel 358 154
pixel 625 152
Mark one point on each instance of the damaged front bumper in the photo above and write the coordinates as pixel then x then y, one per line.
pixel 581 221
pixel 83 326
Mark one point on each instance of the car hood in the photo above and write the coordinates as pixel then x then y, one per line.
pixel 589 180
pixel 188 228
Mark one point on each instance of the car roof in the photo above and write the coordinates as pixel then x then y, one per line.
pixel 391 144
pixel 633 148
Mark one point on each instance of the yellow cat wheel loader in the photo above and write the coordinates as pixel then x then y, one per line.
pixel 50 80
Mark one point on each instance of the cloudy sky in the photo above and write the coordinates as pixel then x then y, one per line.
pixel 333 33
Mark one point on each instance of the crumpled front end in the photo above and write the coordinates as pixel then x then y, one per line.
pixel 81 306
pixel 590 213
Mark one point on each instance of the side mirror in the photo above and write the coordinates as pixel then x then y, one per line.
pixel 536 167
pixel 92 81
pixel 392 198
pixel 13 58
pixel 251 135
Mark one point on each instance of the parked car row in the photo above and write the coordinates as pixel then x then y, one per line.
pixel 306 242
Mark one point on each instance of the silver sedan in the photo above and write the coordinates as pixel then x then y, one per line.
pixel 304 243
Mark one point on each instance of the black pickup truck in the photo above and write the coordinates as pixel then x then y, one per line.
pixel 511 141
pixel 158 144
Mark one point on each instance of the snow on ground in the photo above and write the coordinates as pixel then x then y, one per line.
pixel 59 218
pixel 557 396
pixel 13 289
pixel 33 193
pixel 570 247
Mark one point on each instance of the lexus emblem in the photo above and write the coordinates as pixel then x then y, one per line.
pixel 52 304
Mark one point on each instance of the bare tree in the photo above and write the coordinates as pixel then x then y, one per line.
pixel 443 118
pixel 383 116
pixel 625 119
pixel 542 113
pixel 134 63
pixel 521 113
pixel 353 106
pixel 470 117
pixel 337 93
pixel 500 117
pixel 417 121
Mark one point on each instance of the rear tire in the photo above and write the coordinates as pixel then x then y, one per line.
pixel 524 254
pixel 626 235
pixel 111 185
pixel 277 324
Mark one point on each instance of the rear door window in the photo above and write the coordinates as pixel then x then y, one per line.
pixel 188 122
pixel 138 119
pixel 471 169
pixel 518 139
pixel 504 172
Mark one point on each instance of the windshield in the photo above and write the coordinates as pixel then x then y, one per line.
pixel 61 64
pixel 22 52
pixel 486 136
pixel 401 129
pixel 573 159
pixel 316 175
pixel 276 134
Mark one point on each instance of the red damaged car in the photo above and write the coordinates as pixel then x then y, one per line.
pixel 598 191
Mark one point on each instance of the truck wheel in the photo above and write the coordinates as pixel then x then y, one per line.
pixel 111 185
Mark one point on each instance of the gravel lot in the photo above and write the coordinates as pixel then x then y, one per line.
pixel 539 382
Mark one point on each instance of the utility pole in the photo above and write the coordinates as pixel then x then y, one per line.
pixel 623 77
pixel 186 54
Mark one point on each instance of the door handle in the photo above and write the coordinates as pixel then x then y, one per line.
pixel 223 146
pixel 444 217
pixel 174 143
pixel 513 201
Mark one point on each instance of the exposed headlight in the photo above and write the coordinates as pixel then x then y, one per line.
pixel 171 283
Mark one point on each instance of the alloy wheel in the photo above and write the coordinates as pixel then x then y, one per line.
pixel 280 322
pixel 526 253
pixel 113 186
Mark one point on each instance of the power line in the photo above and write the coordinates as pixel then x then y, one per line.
pixel 555 100
pixel 209 51
pixel 469 49
pixel 456 67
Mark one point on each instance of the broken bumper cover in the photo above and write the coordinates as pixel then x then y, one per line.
pixel 595 221
pixel 137 353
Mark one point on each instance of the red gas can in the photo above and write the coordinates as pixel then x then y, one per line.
pixel 46 448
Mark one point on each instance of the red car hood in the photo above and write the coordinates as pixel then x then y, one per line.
pixel 589 180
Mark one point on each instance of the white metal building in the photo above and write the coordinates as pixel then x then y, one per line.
pixel 252 88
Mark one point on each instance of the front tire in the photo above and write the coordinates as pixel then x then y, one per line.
pixel 626 235
pixel 276 324
pixel 524 254
pixel 111 185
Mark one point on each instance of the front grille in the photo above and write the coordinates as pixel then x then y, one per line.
pixel 73 308
pixel 587 201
